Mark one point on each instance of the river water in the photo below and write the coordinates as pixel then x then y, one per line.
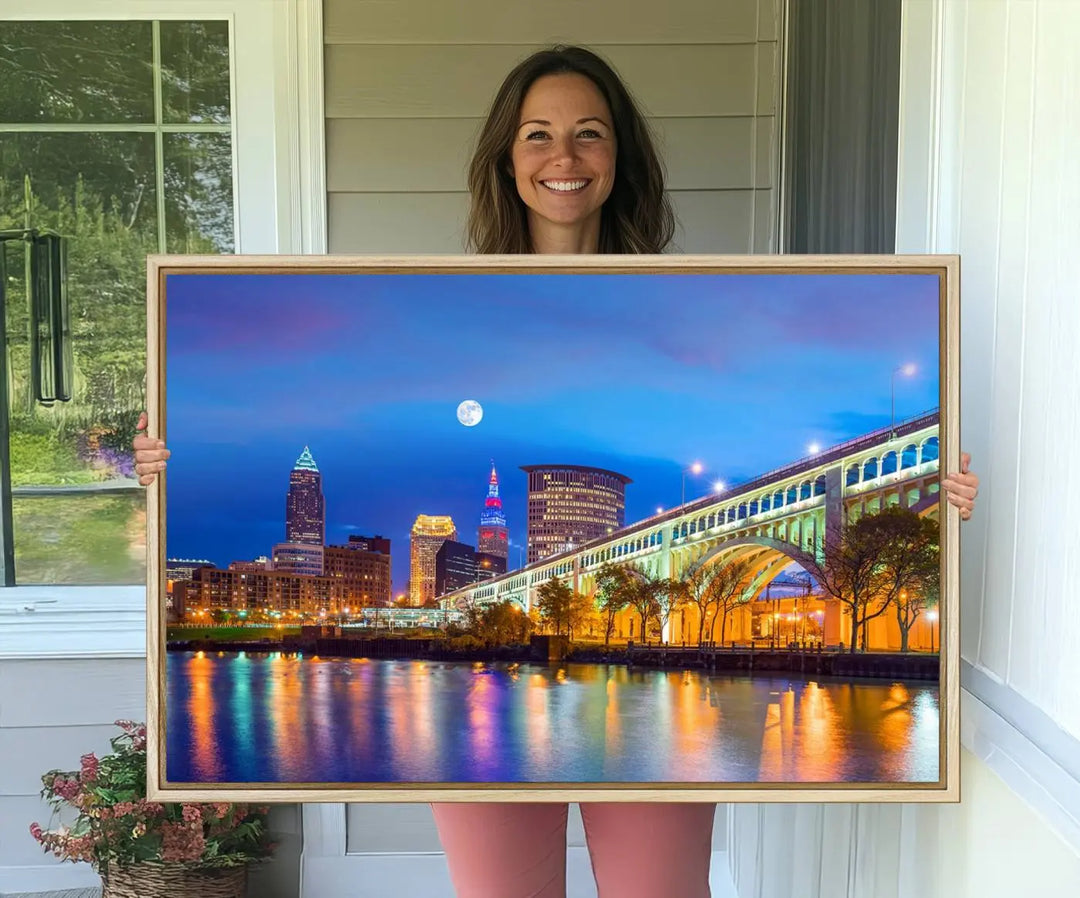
pixel 256 718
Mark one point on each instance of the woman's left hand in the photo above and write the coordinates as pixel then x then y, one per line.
pixel 962 488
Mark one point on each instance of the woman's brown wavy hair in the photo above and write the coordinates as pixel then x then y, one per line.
pixel 637 216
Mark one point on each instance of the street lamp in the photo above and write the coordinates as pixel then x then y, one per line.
pixel 814 448
pixel 907 370
pixel 695 469
pixel 718 486
pixel 932 617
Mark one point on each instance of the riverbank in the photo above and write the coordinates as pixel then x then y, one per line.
pixel 745 660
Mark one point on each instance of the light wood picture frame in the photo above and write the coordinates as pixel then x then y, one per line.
pixel 277 672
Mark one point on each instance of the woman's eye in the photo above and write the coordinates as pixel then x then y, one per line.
pixel 536 135
pixel 589 132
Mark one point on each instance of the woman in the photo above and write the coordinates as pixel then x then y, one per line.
pixel 565 164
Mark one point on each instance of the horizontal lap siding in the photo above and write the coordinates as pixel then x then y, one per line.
pixel 406 94
pixel 52 713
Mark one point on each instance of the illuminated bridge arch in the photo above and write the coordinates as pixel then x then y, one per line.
pixel 927 505
pixel 773 555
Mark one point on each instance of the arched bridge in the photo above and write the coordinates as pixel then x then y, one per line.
pixel 786 515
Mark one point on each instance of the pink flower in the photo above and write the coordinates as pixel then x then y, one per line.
pixel 123 808
pixel 149 808
pixel 66 788
pixel 36 831
pixel 192 814
pixel 181 842
pixel 89 768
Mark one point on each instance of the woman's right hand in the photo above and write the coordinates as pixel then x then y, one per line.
pixel 150 454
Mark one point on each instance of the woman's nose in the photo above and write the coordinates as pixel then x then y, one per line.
pixel 564 149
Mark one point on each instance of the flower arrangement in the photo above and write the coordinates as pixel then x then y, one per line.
pixel 116 827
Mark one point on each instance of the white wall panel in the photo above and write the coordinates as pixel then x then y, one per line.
pixel 990 118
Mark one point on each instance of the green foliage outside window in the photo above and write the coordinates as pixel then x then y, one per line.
pixel 91 148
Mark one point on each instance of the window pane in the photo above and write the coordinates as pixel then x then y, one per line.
pixel 77 519
pixel 79 180
pixel 198 193
pixel 97 190
pixel 76 72
pixel 87 539
pixel 195 72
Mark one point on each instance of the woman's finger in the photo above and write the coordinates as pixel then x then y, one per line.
pixel 967 492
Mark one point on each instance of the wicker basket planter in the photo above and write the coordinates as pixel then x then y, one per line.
pixel 157 880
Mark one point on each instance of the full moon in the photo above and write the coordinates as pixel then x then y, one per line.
pixel 470 412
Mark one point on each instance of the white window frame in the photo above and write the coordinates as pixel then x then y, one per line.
pixel 279 207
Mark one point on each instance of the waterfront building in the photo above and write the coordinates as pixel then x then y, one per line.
pixel 368 569
pixel 183 568
pixel 377 543
pixel 455 566
pixel 298 558
pixel 488 566
pixel 570 505
pixel 428 534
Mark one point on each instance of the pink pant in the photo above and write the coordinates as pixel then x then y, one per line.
pixel 643 850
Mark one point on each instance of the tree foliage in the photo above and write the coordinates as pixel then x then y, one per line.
pixel 553 602
pixel 611 595
pixel 99 189
pixel 882 560
pixel 499 623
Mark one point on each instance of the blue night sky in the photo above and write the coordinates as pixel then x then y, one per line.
pixel 643 374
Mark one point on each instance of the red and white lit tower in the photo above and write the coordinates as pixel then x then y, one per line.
pixel 492 537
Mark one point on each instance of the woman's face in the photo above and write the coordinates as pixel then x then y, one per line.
pixel 563 155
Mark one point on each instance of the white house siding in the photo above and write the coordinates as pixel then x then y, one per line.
pixel 407 86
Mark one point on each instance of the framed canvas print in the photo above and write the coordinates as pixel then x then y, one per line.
pixel 553 528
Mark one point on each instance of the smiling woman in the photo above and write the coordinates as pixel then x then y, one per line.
pixel 565 164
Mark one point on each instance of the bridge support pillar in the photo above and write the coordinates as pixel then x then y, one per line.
pixel 834 507
pixel 834 616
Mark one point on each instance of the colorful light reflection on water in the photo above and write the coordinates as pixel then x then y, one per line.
pixel 280 718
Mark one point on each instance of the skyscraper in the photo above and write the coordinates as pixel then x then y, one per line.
pixel 429 532
pixel 455 567
pixel 305 508
pixel 492 537
pixel 570 505
pixel 488 566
